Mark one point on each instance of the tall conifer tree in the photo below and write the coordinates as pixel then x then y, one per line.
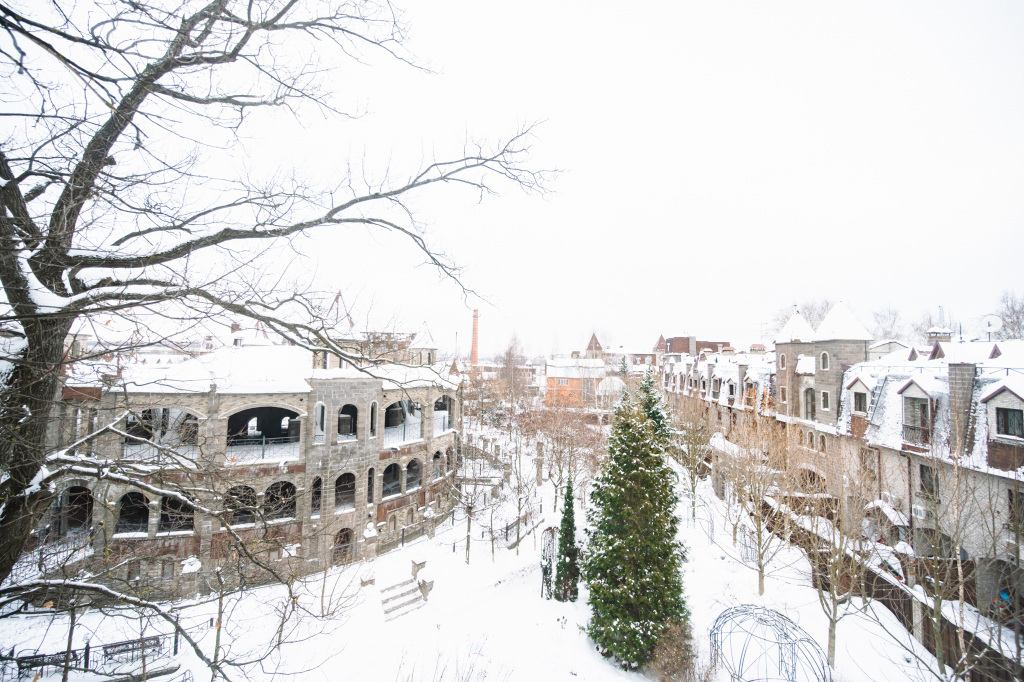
pixel 567 573
pixel 634 559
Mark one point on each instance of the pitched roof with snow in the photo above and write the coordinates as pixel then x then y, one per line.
pixel 1013 384
pixel 841 324
pixel 796 329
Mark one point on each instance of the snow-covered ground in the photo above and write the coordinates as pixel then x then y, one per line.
pixel 482 620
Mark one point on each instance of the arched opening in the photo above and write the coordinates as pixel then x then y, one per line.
pixel 413 475
pixel 810 481
pixel 438 466
pixel 240 505
pixel 348 417
pixel 175 515
pixel 392 484
pixel 373 420
pixel 782 361
pixel 442 414
pixel 343 546
pixel 76 509
pixel 345 492
pixel 319 423
pixel 315 496
pixel 821 443
pixel 132 514
pixel 370 477
pixel 809 405
pixel 263 425
pixel 450 456
pixel 824 362
pixel 169 427
pixel 279 501
pixel 402 422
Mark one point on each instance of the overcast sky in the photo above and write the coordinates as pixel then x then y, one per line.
pixel 718 160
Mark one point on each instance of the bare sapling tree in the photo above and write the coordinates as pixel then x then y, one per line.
pixel 692 446
pixel 1011 312
pixel 757 468
pixel 117 206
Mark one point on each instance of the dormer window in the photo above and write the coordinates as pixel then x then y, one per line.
pixel 824 362
pixel 916 421
pixel 1009 422
pixel 860 401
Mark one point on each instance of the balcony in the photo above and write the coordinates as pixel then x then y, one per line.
pixel 917 435
pixel 442 423
pixel 244 450
pixel 146 452
pixel 410 430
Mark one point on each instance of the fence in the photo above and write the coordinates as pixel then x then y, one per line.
pixel 104 659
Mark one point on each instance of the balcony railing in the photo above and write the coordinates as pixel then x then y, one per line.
pixel 441 422
pixel 407 431
pixel 345 437
pixel 145 452
pixel 255 449
pixel 917 435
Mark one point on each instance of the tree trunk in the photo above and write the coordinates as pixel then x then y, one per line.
pixel 832 624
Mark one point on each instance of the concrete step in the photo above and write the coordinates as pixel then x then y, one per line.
pixel 391 588
pixel 415 589
pixel 399 606
pixel 409 608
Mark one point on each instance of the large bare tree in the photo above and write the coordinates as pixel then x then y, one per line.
pixel 115 207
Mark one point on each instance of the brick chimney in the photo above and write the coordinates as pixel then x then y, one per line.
pixel 961 392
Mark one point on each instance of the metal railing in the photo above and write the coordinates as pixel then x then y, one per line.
pixel 917 435
pixel 252 449
pixel 407 431
pixel 145 452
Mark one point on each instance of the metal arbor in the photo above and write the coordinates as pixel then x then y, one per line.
pixel 756 644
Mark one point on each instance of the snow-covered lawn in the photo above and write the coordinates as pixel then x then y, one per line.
pixel 486 617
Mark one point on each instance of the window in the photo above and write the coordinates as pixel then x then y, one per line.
pixel 860 401
pixel 348 417
pixel 167 570
pixel 929 484
pixel 824 362
pixel 782 362
pixel 782 393
pixel 821 444
pixel 318 433
pixel 373 420
pixel 825 402
pixel 316 496
pixel 732 390
pixel 1010 422
pixel 809 404
pixel 916 422
pixel 563 382
pixel 345 492
pixel 369 485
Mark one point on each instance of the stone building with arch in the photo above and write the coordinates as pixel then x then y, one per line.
pixel 252 453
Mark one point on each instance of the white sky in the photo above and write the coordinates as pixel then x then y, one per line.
pixel 719 161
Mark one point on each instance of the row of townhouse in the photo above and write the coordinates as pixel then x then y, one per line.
pixel 930 438
pixel 303 462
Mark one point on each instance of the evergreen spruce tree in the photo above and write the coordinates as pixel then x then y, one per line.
pixel 634 559
pixel 567 573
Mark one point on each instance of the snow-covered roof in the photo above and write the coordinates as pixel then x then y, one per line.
pixel 805 364
pixel 841 324
pixel 895 516
pixel 245 369
pixel 927 383
pixel 575 368
pixel 611 386
pixel 886 342
pixel 796 329
pixel 1013 384
pixel 962 351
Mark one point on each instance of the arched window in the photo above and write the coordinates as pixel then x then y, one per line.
pixel 279 501
pixel 373 420
pixel 438 466
pixel 320 418
pixel 450 456
pixel 316 496
pixel 824 362
pixel 132 514
pixel 821 444
pixel 370 476
pixel 345 492
pixel 392 480
pixel 809 404
pixel 76 509
pixel 348 417
pixel 413 475
pixel 175 515
pixel 782 361
pixel 343 548
pixel 240 505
